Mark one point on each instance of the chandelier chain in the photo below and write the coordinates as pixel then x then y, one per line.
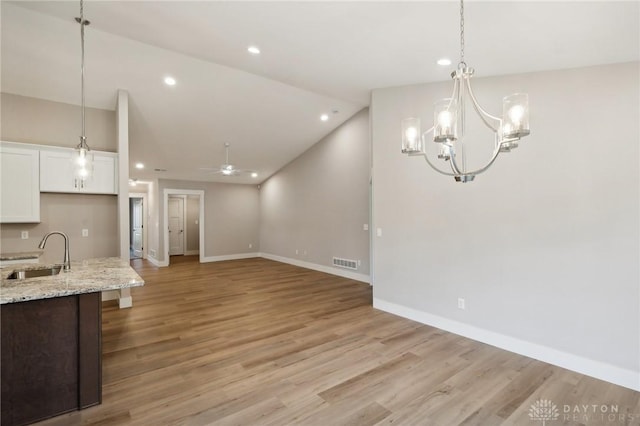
pixel 462 62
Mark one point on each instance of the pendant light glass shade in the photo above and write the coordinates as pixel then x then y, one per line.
pixel 411 138
pixel 83 162
pixel 515 115
pixel 444 121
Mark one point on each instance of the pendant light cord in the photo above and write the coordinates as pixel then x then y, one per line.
pixel 462 63
pixel 82 23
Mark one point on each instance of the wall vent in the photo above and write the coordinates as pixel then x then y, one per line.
pixel 345 263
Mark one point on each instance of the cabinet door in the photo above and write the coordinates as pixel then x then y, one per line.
pixel 19 182
pixel 56 171
pixel 103 180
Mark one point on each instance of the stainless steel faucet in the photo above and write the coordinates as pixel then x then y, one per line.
pixel 67 260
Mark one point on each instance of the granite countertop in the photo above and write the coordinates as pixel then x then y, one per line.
pixel 87 276
pixel 21 255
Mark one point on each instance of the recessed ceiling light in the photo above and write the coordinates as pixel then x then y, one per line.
pixel 139 166
pixel 444 61
pixel 170 81
pixel 253 50
pixel 254 175
pixel 324 117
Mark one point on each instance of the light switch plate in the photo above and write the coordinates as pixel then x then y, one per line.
pixel 379 232
pixel 24 235
pixel 85 232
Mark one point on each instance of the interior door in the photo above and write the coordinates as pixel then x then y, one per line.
pixel 176 225
pixel 136 226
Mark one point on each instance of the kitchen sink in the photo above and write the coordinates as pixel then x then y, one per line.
pixel 33 273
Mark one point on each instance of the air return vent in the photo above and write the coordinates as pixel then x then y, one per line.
pixel 345 263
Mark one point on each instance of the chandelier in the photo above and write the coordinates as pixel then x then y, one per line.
pixel 83 158
pixel 449 123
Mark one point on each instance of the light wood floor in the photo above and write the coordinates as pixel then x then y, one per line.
pixel 256 342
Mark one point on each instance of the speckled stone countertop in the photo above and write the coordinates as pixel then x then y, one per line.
pixel 21 255
pixel 87 276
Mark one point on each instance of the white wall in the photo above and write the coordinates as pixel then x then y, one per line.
pixel 319 202
pixel 544 246
pixel 68 213
pixel 231 217
pixel 43 122
pixel 193 224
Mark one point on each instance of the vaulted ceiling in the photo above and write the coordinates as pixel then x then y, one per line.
pixel 316 58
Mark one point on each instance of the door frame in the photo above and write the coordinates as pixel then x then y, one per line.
pixel 165 211
pixel 144 220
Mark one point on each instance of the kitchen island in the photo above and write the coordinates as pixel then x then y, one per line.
pixel 51 337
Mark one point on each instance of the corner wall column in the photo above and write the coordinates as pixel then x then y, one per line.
pixel 122 124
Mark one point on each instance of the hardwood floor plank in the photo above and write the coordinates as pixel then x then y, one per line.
pixel 257 342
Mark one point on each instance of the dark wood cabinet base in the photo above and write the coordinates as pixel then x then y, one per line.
pixel 51 357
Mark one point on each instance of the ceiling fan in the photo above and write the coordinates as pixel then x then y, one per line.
pixel 227 169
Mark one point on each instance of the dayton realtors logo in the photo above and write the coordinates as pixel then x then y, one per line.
pixel 543 410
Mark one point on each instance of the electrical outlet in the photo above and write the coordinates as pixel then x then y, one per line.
pixel 85 232
pixel 296 251
pixel 461 303
pixel 304 252
pixel 250 245
pixel 24 235
pixel 365 227
pixel 379 232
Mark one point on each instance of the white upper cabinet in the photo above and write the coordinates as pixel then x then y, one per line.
pixel 57 172
pixel 19 184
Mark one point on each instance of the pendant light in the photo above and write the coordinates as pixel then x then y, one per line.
pixel 449 123
pixel 83 157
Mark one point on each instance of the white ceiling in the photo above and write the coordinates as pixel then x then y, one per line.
pixel 316 57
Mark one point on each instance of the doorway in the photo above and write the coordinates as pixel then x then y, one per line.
pixel 181 223
pixel 137 225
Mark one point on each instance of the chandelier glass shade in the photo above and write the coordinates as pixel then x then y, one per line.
pixel 449 124
pixel 83 157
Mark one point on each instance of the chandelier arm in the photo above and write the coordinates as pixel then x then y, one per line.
pixel 454 94
pixel 486 166
pixel 426 157
pixel 481 112
pixel 454 165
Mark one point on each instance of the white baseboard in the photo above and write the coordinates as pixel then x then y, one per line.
pixel 191 252
pixel 600 370
pixel 322 268
pixel 157 262
pixel 228 257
